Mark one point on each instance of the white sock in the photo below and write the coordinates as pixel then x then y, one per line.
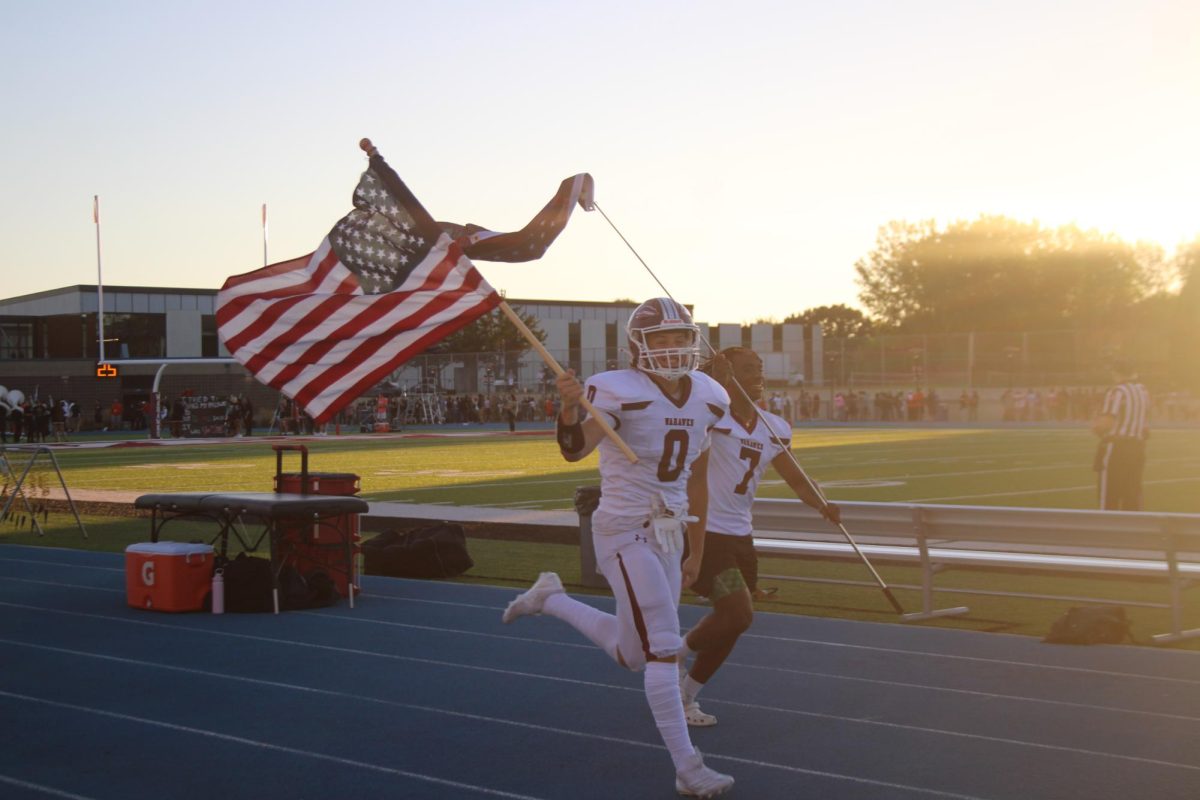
pixel 597 626
pixel 662 694
pixel 691 688
pixel 686 654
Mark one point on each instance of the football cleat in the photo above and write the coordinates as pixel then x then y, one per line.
pixel 532 599
pixel 697 780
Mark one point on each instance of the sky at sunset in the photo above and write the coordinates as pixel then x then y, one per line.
pixel 749 151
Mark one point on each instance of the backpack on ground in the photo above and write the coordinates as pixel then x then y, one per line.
pixel 247 584
pixel 1091 625
pixel 435 551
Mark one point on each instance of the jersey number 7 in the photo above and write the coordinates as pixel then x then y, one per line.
pixel 751 455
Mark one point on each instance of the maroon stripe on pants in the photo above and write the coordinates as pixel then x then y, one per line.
pixel 638 621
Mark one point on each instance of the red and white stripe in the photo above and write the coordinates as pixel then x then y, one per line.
pixel 306 328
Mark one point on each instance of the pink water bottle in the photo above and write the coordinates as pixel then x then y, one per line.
pixel 218 592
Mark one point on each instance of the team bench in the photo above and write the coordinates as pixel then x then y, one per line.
pixel 941 537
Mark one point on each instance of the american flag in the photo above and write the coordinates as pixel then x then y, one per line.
pixel 385 284
pixel 530 242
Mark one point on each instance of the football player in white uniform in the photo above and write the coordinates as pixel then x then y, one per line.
pixel 744 444
pixel 664 411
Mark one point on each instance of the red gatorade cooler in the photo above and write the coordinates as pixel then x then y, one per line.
pixel 168 576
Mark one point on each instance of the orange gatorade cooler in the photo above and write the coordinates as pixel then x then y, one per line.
pixel 168 576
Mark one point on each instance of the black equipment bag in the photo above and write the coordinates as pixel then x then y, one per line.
pixel 247 584
pixel 248 587
pixel 435 551
pixel 1091 625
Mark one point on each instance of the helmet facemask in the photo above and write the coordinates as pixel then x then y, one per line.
pixel 670 363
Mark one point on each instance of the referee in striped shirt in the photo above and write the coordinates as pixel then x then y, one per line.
pixel 1123 427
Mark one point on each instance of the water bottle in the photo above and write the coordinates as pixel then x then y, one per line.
pixel 218 592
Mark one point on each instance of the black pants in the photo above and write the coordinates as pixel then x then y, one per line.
pixel 1120 462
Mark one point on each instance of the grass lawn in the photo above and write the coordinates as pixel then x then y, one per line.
pixel 1043 467
pixel 1034 467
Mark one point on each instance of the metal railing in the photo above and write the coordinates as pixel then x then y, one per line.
pixel 940 537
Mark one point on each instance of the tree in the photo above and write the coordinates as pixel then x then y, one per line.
pixel 1185 321
pixel 492 333
pixel 838 321
pixel 999 274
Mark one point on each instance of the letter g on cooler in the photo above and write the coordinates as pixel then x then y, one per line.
pixel 148 573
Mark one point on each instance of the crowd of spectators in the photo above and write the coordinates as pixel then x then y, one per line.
pixel 37 420
pixel 50 420
pixel 840 405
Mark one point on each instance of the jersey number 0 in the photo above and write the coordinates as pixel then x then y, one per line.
pixel 675 447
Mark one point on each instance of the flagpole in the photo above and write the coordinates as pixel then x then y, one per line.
pixel 809 482
pixel 264 226
pixel 99 276
pixel 551 362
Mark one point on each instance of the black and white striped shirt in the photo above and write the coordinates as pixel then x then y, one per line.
pixel 1129 405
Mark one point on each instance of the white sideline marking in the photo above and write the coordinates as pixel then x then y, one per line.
pixel 37 787
pixel 638 690
pixel 347 762
pixel 1088 487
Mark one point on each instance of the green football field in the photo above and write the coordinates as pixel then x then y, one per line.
pixel 1042 467
pixel 1033 467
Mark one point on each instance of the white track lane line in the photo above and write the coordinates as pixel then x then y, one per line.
pixel 59 564
pixel 37 787
pixel 991 695
pixel 977 659
pixel 966 692
pixel 638 690
pixel 465 715
pixel 740 664
pixel 345 762
pixel 903 651
pixel 818 642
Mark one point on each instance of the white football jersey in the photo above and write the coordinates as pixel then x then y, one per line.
pixel 736 462
pixel 667 437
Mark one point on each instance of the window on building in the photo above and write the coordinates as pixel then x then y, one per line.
pixel 16 340
pixel 64 336
pixel 209 343
pixel 135 335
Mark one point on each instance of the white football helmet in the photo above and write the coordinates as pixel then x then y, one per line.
pixel 662 314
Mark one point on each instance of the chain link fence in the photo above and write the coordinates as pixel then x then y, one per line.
pixel 1005 360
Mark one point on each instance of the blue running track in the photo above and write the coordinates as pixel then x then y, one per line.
pixel 421 692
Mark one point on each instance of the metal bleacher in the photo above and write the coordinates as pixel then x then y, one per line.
pixel 936 538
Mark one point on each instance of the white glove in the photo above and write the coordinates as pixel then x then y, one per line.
pixel 669 525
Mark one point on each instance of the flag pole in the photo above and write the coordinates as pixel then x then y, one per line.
pixel 812 485
pixel 551 362
pixel 99 276
pixel 264 226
